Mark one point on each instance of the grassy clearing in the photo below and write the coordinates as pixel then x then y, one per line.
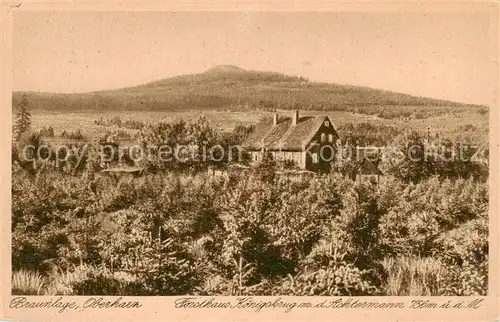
pixel 467 125
pixel 85 120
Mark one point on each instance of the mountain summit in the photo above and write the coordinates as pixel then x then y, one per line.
pixel 225 69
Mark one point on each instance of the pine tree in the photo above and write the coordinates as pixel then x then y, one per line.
pixel 267 168
pixel 23 118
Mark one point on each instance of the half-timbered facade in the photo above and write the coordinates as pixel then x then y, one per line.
pixel 309 142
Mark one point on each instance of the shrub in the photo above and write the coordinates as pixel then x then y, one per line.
pixel 368 133
pixel 406 232
pixel 337 280
pixel 166 269
pixel 141 244
pixel 266 170
pixel 118 122
pixel 357 226
pixel 331 270
pixel 47 132
pixel 465 250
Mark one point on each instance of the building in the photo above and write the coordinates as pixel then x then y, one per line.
pixel 367 171
pixel 307 142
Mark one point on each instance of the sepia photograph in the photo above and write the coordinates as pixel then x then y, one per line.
pixel 251 153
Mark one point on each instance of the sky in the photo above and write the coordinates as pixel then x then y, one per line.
pixel 435 54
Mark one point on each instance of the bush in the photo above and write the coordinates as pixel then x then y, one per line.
pixel 357 226
pixel 47 132
pixel 331 270
pixel 407 232
pixel 465 250
pixel 140 244
pixel 337 280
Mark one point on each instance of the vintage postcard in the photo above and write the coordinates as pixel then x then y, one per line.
pixel 249 161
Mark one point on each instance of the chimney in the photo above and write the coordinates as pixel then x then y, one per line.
pixel 275 119
pixel 295 117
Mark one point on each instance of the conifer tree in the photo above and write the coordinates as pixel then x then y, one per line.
pixel 23 118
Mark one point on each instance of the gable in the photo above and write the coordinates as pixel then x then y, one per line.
pixel 302 134
pixel 285 136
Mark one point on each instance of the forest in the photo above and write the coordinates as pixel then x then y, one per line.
pixel 175 229
pixel 235 89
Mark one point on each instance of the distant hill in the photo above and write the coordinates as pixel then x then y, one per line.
pixel 232 88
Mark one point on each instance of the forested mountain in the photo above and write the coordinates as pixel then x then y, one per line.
pixel 230 87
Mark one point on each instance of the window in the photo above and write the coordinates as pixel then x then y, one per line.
pixel 330 138
pixel 323 137
pixel 327 123
pixel 315 158
pixel 255 157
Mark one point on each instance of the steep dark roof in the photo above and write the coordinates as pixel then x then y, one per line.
pixel 367 167
pixel 283 136
pixel 367 155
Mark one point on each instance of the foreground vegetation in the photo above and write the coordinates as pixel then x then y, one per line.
pixel 197 234
pixel 423 230
pixel 76 231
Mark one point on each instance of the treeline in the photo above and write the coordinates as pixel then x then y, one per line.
pixel 446 159
pixel 253 100
pixel 118 122
pixel 73 135
pixel 368 134
pixel 116 135
pixel 411 159
pixel 413 112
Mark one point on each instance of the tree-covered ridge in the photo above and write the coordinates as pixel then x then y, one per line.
pixel 227 88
